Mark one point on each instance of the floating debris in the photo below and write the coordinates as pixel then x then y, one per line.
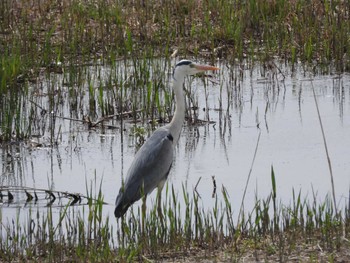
pixel 33 195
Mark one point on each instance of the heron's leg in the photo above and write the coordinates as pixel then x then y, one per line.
pixel 143 215
pixel 159 207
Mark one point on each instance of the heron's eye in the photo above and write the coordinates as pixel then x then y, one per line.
pixel 191 65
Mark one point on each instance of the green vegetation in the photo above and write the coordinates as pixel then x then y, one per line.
pixel 37 38
pixel 36 35
pixel 50 57
pixel 296 232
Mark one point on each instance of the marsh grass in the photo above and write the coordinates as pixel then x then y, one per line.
pixel 50 46
pixel 59 37
pixel 270 231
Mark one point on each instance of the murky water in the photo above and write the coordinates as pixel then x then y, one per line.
pixel 243 103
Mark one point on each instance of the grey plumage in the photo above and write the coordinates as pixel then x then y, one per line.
pixel 149 169
pixel 152 162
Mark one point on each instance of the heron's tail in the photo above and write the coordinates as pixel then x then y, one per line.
pixel 120 205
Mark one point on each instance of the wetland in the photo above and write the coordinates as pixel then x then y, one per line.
pixel 262 160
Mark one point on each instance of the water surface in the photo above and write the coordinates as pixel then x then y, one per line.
pixel 242 103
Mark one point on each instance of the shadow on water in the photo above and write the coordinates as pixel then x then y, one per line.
pixel 86 122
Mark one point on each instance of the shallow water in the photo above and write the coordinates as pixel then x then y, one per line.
pixel 243 102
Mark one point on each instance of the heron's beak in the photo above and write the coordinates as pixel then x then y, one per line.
pixel 205 67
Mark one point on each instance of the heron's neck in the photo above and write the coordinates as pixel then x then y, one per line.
pixel 176 123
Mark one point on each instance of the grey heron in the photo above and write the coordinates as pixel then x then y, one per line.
pixel 152 162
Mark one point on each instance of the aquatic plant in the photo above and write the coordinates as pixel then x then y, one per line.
pixel 61 37
pixel 270 230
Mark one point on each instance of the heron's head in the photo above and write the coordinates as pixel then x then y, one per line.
pixel 187 67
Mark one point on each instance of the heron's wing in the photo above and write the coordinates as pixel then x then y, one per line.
pixel 149 168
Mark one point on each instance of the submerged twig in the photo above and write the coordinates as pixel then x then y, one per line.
pixel 94 124
pixel 112 116
pixel 51 194
pixel 87 120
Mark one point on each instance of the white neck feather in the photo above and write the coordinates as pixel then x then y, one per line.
pixel 176 123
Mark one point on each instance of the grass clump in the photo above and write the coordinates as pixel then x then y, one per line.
pixel 37 39
pixel 84 31
pixel 270 231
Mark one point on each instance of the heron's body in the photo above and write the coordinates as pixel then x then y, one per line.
pixel 152 163
pixel 144 175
